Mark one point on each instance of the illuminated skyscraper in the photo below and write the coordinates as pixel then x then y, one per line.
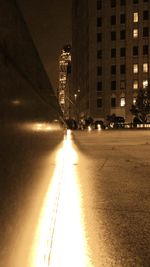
pixel 64 79
pixel 110 55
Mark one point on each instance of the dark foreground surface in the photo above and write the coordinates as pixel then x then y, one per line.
pixel 111 170
pixel 114 167
pixel 27 160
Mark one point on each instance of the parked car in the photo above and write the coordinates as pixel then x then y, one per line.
pixel 117 122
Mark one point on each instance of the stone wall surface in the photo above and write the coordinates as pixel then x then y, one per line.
pixel 25 90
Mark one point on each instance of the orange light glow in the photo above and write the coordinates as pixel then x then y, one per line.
pixel 60 237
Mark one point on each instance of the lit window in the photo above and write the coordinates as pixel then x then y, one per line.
pixel 134 100
pixel 122 102
pixel 135 33
pixel 145 67
pixel 135 68
pixel 135 17
pixel 145 83
pixel 135 84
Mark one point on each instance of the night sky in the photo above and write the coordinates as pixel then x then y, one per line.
pixel 49 22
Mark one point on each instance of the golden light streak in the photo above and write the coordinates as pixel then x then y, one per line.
pixel 89 128
pixel 60 237
pixel 41 126
pixel 99 127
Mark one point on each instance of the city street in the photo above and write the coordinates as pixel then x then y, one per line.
pixel 114 171
pixel 78 200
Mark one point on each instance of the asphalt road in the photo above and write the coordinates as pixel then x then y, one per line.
pixel 114 171
pixel 100 202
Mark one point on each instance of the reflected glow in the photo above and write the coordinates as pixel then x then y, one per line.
pixel 41 126
pixel 16 102
pixel 99 127
pixel 89 128
pixel 60 237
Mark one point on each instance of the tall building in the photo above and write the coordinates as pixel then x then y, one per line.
pixel 64 80
pixel 110 55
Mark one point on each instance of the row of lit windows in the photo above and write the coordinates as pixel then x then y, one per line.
pixel 113 18
pixel 123 85
pixel 123 68
pixel 114 2
pixel 113 102
pixel 144 68
pixel 135 34
pixel 135 51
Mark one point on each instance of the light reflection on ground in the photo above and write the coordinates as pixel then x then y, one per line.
pixel 60 239
pixel 40 126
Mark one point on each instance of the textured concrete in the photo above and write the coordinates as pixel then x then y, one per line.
pixel 113 170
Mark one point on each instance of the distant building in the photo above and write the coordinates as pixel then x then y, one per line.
pixel 110 55
pixel 64 80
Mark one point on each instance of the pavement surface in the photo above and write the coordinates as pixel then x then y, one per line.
pixel 27 162
pixel 114 169
pixel 108 171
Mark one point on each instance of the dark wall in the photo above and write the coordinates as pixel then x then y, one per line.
pixel 25 90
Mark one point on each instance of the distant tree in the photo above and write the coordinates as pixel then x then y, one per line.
pixel 141 108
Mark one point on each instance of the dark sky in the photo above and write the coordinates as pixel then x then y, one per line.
pixel 49 22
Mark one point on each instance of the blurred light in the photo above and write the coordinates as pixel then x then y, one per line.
pixel 41 126
pixel 89 128
pixel 134 100
pixel 16 102
pixel 112 125
pixel 145 83
pixel 99 127
pixel 122 102
pixel 60 238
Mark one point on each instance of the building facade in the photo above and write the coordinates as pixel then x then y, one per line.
pixel 110 55
pixel 64 80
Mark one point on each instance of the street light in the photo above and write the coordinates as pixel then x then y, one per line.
pixel 75 96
